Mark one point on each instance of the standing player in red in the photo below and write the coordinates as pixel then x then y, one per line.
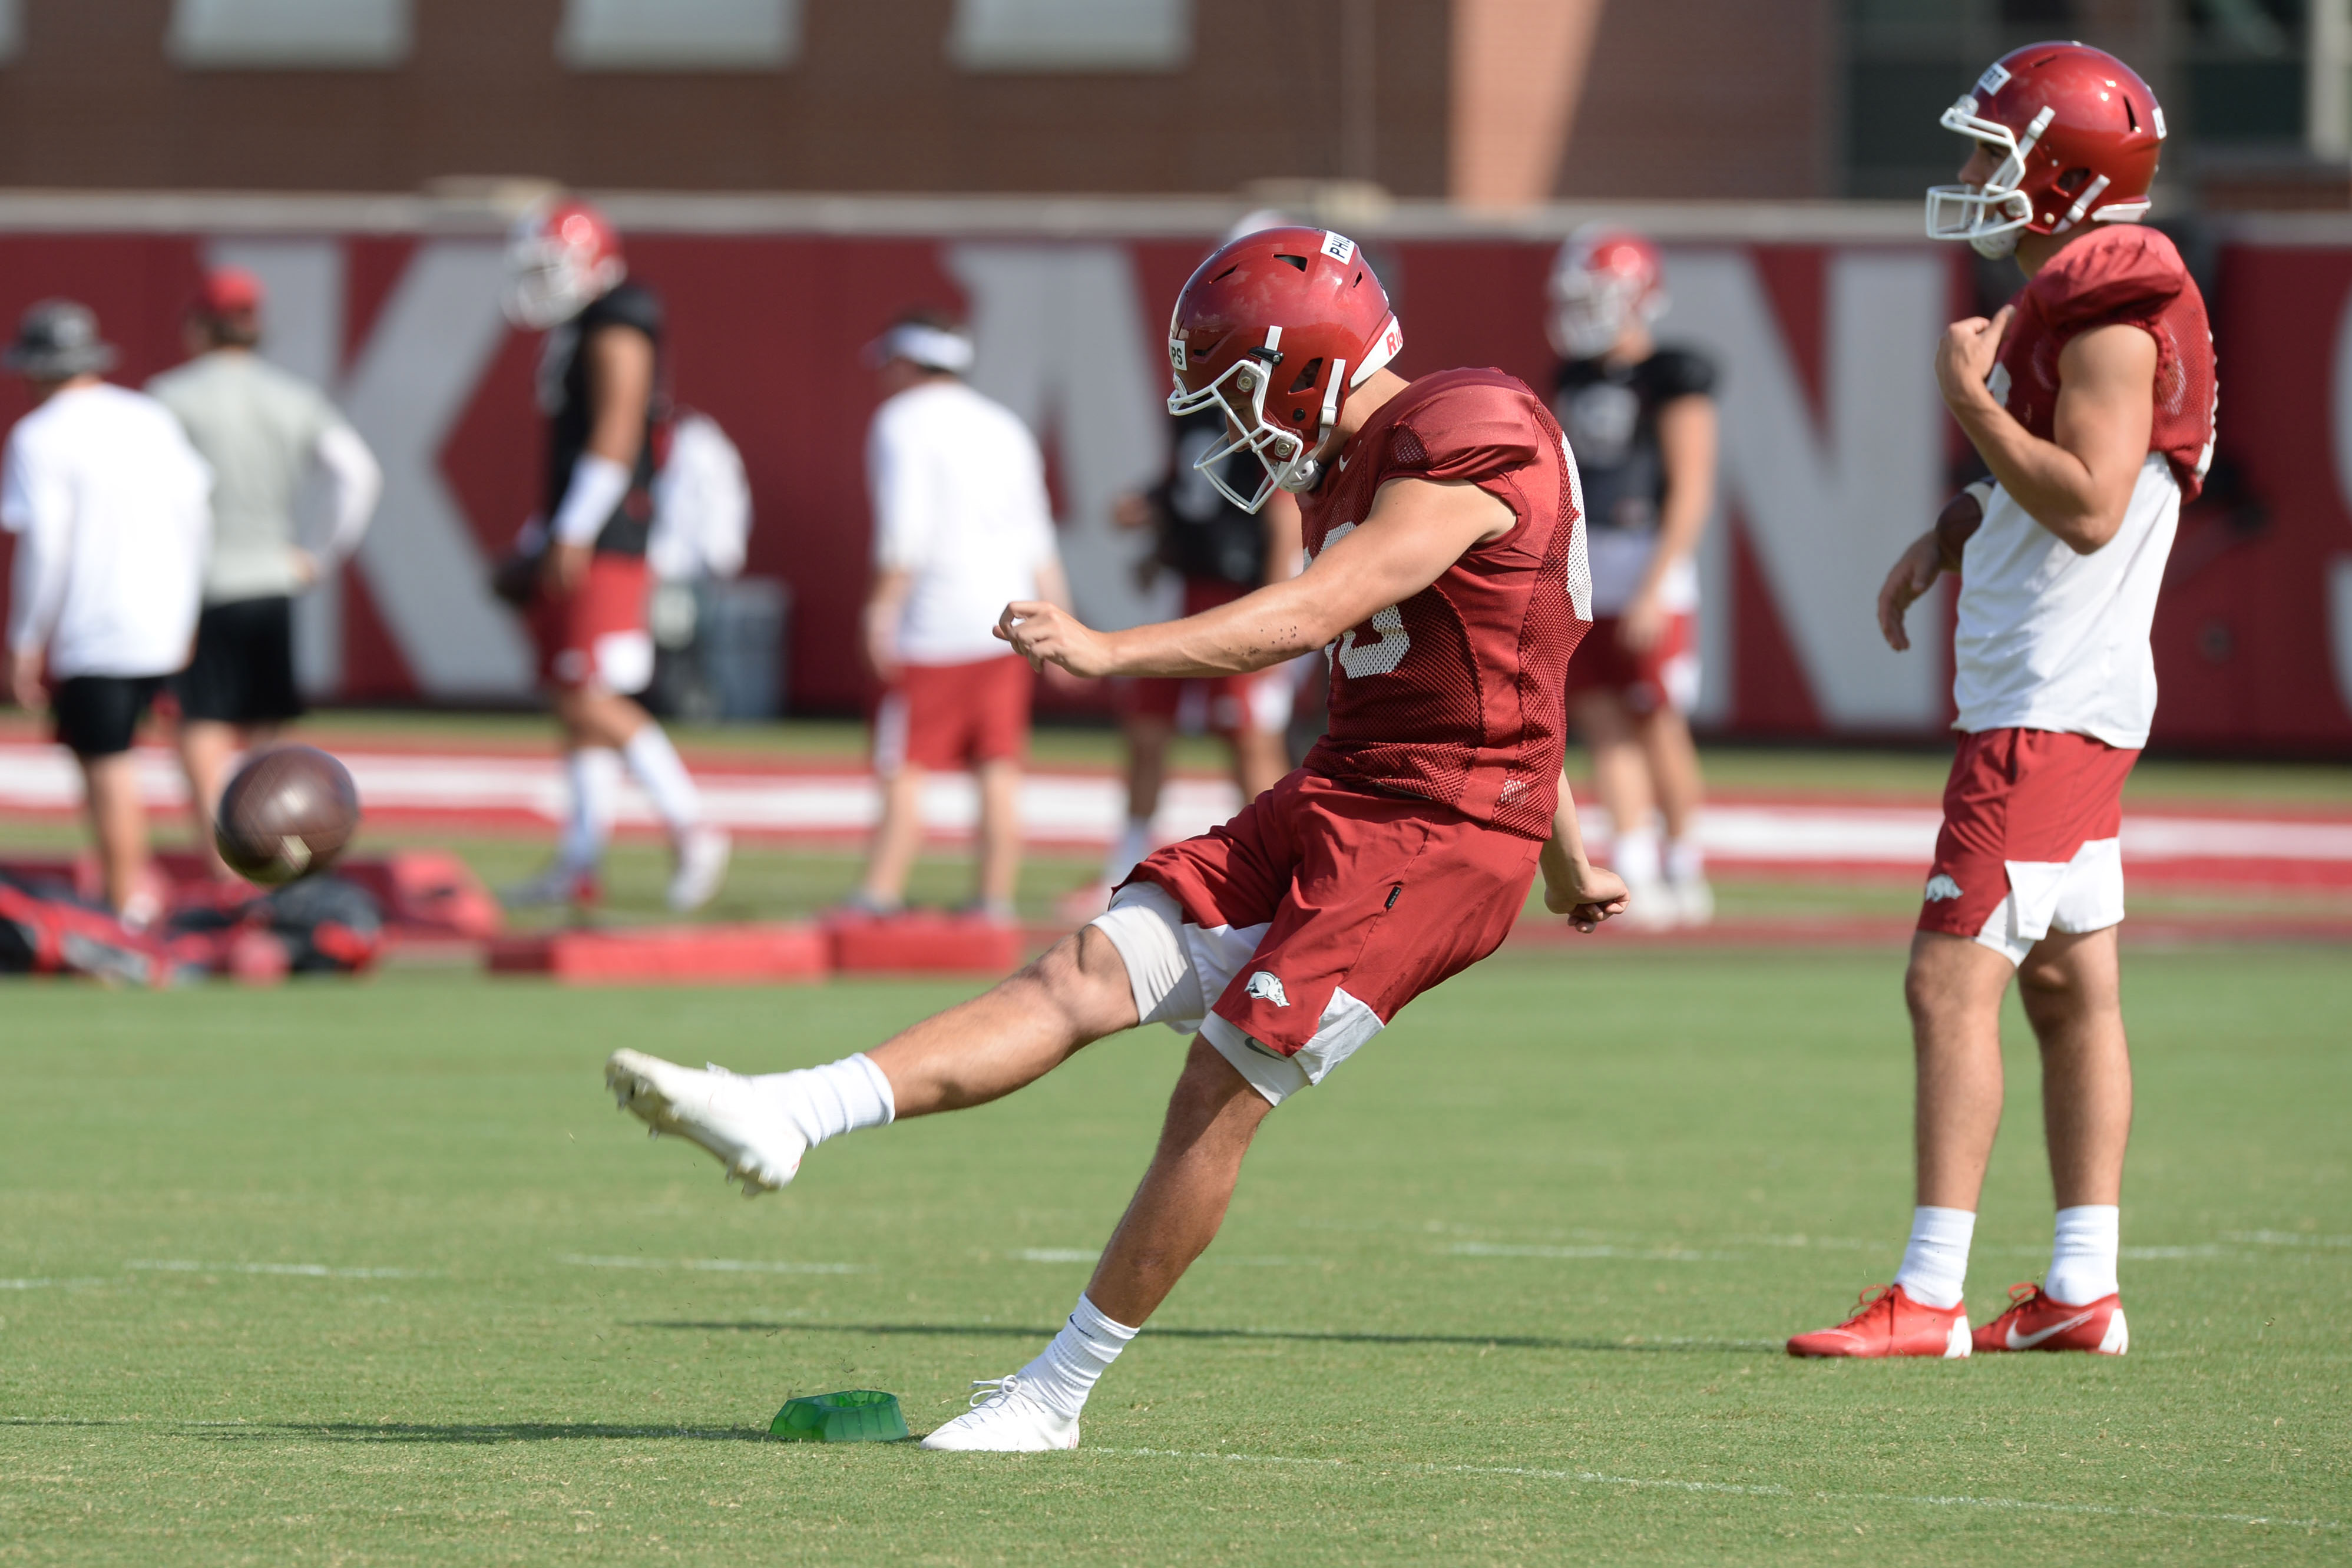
pixel 1449 578
pixel 2090 396
pixel 600 385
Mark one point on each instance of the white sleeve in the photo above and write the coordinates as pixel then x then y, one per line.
pixel 357 481
pixel 903 507
pixel 39 514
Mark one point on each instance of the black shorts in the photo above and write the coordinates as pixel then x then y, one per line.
pixel 96 714
pixel 243 671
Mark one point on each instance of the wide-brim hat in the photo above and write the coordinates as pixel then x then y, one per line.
pixel 56 339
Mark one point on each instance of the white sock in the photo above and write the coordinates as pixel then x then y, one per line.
pixel 594 775
pixel 837 1098
pixel 1686 861
pixel 1065 1375
pixel 1129 846
pixel 2083 1254
pixel 1935 1264
pixel 1635 855
pixel 654 762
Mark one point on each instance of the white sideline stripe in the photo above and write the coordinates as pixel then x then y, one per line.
pixel 1089 809
pixel 1084 1254
pixel 45 1284
pixel 1595 1478
pixel 307 1270
pixel 711 1264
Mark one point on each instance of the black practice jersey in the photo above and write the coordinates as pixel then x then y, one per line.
pixel 563 397
pixel 1203 534
pixel 1610 414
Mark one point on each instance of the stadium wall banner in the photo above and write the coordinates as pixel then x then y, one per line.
pixel 1835 449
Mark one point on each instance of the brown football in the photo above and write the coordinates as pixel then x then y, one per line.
pixel 287 812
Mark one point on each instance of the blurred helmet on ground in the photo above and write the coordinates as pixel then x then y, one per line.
pixel 1602 281
pixel 2074 133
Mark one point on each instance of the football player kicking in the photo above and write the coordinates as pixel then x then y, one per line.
pixel 2090 396
pixel 1448 576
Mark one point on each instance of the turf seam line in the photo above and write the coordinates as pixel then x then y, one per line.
pixel 1595 1478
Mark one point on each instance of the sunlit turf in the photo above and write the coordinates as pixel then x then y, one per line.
pixel 375 1274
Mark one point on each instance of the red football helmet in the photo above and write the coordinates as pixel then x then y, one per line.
pixel 559 259
pixel 1603 280
pixel 2076 132
pixel 1297 298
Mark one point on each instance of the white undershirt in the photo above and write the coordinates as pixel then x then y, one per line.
pixel 959 492
pixel 110 506
pixel 2048 640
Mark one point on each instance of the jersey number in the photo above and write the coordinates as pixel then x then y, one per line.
pixel 1381 657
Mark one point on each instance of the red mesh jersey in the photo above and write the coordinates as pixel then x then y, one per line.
pixel 2120 275
pixel 1455 694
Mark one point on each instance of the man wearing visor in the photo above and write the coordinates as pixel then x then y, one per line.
pixel 1448 578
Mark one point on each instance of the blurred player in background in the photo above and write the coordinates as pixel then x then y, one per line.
pixel 262 431
pixel 962 527
pixel 600 382
pixel 2091 398
pixel 1220 552
pixel 107 501
pixel 1641 419
pixel 1449 571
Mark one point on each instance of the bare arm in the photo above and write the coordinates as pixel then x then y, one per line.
pixel 1573 885
pixel 2078 485
pixel 884 603
pixel 1417 529
pixel 1285 536
pixel 1688 430
pixel 1928 557
pixel 621 388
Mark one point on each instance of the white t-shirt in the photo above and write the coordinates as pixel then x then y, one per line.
pixel 959 492
pixel 110 505
pixel 2048 640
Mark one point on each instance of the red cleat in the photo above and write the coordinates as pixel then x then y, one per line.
pixel 2035 1322
pixel 1889 1322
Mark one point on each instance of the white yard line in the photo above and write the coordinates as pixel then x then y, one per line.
pixel 1596 1477
pixel 304 1270
pixel 711 1264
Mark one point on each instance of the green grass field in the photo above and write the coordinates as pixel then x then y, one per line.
pixel 376 1274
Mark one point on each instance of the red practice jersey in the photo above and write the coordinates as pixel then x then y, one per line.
pixel 2119 275
pixel 1455 695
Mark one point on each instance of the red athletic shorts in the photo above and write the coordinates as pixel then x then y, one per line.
pixel 1367 901
pixel 599 630
pixel 2036 813
pixel 1217 704
pixel 954 715
pixel 1664 675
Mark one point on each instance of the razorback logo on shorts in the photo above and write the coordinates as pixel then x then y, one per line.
pixel 1940 886
pixel 1264 986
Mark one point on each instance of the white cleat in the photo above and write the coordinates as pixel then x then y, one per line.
pixel 1694 901
pixel 702 858
pixel 1006 1418
pixel 719 1112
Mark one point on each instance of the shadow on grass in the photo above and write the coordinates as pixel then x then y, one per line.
pixel 1310 1336
pixel 479 1432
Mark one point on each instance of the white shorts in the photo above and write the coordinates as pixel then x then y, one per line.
pixel 2084 894
pixel 625 663
pixel 1178 970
